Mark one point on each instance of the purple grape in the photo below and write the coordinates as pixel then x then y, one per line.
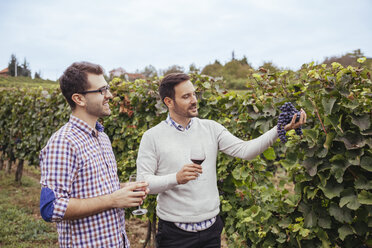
pixel 285 117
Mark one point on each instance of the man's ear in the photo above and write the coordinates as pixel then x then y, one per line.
pixel 79 99
pixel 168 101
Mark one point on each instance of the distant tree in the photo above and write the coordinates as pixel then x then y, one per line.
pixel 213 70
pixel 37 74
pixel 25 71
pixel 193 68
pixel 345 60
pixel 18 70
pixel 244 61
pixel 269 66
pixel 149 71
pixel 173 69
pixel 234 69
pixel 13 65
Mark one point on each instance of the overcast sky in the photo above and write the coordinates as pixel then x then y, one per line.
pixel 135 33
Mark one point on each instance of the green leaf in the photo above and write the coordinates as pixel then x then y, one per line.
pixel 310 219
pixel 338 168
pixel 284 223
pixel 325 222
pixel 365 197
pixel 351 104
pixel 344 231
pixel 311 136
pixel 226 206
pixel 269 154
pixel 323 177
pixel 363 122
pixel 340 214
pixel 304 232
pixel 330 136
pixel 363 183
pixel 350 200
pixel 328 105
pixel 337 157
pixel 311 165
pixel 335 121
pixel 207 85
pixel 361 60
pixel 352 140
pixel 332 189
pixel 366 163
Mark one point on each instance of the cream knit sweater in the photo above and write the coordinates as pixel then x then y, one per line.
pixel 164 150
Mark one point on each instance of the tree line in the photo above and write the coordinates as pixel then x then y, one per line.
pixel 16 69
pixel 234 73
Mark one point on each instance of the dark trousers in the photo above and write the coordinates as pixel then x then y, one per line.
pixel 169 235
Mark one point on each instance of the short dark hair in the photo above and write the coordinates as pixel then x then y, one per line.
pixel 75 79
pixel 166 88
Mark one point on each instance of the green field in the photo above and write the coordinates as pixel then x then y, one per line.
pixel 20 221
pixel 10 82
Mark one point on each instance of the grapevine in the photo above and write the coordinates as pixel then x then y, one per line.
pixel 285 117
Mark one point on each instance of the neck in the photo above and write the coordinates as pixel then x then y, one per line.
pixel 184 121
pixel 83 115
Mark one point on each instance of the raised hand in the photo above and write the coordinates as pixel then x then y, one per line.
pixel 293 124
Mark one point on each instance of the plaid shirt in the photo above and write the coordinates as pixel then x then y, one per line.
pixel 79 163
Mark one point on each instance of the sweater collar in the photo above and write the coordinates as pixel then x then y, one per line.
pixel 179 127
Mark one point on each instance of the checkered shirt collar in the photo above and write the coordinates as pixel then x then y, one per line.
pixel 84 126
pixel 179 127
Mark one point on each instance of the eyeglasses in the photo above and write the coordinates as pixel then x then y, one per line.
pixel 102 90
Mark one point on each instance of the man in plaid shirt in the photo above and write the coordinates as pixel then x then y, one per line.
pixel 80 187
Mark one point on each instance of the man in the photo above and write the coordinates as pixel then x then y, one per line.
pixel 80 187
pixel 188 208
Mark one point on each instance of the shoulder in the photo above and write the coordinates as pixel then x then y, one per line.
pixel 64 138
pixel 208 123
pixel 159 128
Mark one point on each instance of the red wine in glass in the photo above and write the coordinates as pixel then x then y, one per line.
pixel 139 210
pixel 197 161
pixel 197 155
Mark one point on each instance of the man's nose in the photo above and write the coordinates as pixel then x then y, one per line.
pixel 194 99
pixel 108 94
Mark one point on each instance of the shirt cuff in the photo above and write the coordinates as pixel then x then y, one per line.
pixel 60 206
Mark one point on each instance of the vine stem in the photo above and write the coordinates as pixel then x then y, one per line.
pixel 253 179
pixel 317 113
pixel 352 173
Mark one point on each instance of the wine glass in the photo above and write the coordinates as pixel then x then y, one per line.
pixel 139 210
pixel 197 156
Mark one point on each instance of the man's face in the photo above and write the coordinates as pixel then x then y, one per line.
pixel 97 104
pixel 185 102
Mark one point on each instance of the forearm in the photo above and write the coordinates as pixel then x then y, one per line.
pixel 247 150
pixel 80 208
pixel 159 184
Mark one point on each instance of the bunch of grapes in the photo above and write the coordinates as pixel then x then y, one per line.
pixel 285 117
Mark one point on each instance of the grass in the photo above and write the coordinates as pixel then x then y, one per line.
pixel 20 221
pixel 10 82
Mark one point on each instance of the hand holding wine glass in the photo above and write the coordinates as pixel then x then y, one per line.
pixel 139 210
pixel 197 156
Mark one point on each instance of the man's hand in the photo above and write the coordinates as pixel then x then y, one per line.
pixel 293 124
pixel 128 197
pixel 188 172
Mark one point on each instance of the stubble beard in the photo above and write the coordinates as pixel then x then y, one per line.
pixel 188 113
pixel 98 110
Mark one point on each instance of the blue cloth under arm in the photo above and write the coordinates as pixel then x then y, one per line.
pixel 47 199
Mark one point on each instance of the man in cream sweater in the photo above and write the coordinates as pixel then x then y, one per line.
pixel 188 206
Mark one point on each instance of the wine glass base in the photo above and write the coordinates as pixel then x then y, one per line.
pixel 139 211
